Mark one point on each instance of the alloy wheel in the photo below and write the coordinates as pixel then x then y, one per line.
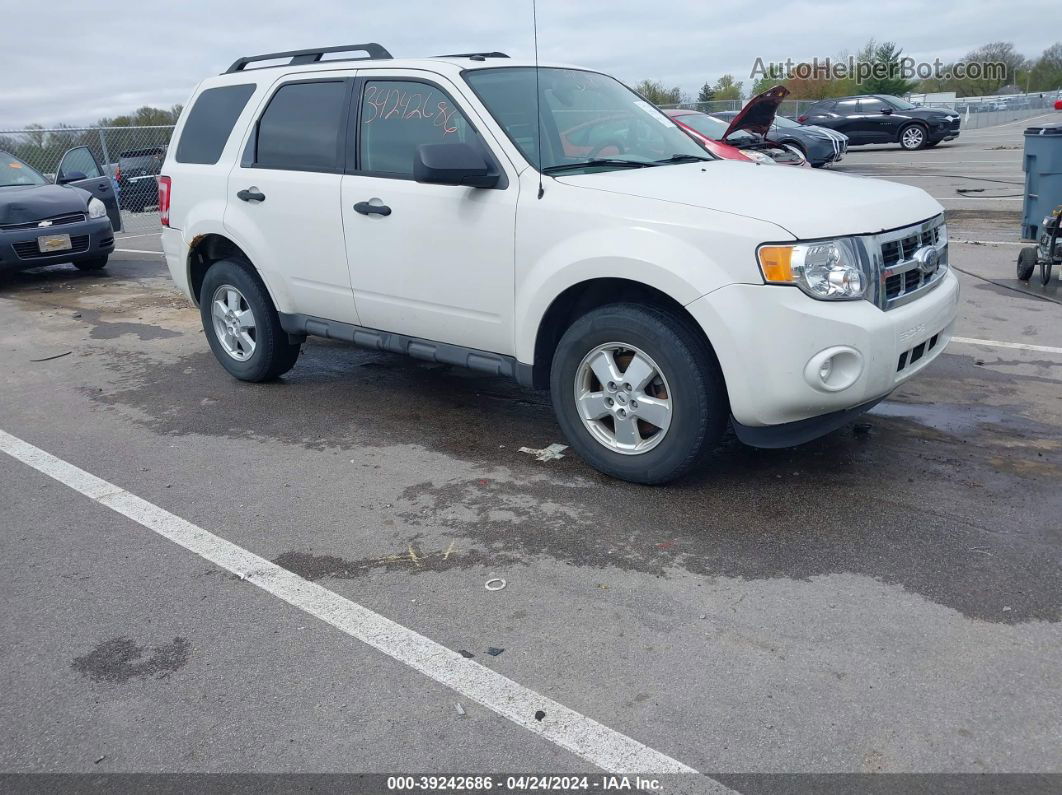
pixel 234 323
pixel 913 137
pixel 623 398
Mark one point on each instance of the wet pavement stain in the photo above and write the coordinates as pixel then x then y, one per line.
pixel 918 499
pixel 414 560
pixel 118 660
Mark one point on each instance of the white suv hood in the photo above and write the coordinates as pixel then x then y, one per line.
pixel 805 202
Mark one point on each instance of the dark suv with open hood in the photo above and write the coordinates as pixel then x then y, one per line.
pixel 42 223
pixel 883 119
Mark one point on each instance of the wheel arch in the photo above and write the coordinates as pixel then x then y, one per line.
pixel 579 298
pixel 207 248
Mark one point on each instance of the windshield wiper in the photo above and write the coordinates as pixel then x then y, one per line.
pixel 598 161
pixel 685 159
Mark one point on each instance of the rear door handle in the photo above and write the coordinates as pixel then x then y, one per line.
pixel 372 209
pixel 251 195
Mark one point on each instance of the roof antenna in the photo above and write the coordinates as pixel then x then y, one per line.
pixel 538 96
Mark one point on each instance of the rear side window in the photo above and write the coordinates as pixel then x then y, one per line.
pixel 301 129
pixel 210 122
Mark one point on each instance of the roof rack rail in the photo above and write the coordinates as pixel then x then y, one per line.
pixel 475 56
pixel 312 55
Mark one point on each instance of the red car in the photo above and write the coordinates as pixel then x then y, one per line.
pixel 744 137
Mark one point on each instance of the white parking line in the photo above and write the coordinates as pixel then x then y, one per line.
pixel 1021 346
pixel 571 730
pixel 978 198
pixel 130 237
pixel 987 242
pixel 137 251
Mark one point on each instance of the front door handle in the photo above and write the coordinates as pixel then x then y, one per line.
pixel 251 195
pixel 372 209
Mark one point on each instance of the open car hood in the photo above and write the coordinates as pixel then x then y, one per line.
pixel 758 113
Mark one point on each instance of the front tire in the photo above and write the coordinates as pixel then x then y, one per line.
pixel 242 325
pixel 638 392
pixel 913 137
pixel 97 264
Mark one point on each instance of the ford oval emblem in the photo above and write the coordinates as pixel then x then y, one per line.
pixel 928 259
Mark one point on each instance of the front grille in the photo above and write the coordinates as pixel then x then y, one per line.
pixel 898 277
pixel 56 220
pixel 28 249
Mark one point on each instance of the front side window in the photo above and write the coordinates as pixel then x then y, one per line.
pixel 397 116
pixel 871 106
pixel 15 172
pixel 301 129
pixel 79 161
pixel 585 116
pixel 900 104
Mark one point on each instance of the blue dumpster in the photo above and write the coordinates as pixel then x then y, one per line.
pixel 1043 176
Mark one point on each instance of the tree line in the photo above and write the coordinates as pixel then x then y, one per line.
pixel 1019 74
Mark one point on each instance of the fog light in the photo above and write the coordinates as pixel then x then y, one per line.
pixel 834 369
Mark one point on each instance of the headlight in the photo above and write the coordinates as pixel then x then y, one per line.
pixel 829 270
pixel 757 157
pixel 96 208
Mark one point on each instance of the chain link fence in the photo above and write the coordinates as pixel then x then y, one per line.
pixel 131 156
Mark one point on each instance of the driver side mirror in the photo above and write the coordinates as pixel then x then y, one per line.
pixel 452 164
pixel 69 176
pixel 887 111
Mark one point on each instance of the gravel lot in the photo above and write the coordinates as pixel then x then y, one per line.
pixel 885 599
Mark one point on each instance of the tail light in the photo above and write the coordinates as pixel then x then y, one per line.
pixel 117 173
pixel 803 117
pixel 164 200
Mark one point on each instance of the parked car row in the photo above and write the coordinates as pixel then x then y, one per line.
pixel 758 134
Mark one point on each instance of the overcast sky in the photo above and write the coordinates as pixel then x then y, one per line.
pixel 74 62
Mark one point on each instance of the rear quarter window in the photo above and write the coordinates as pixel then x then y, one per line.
pixel 210 123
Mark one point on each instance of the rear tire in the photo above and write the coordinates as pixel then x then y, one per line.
pixel 678 383
pixel 97 264
pixel 1026 263
pixel 258 349
pixel 913 137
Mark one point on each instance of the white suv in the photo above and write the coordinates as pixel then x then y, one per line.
pixel 548 225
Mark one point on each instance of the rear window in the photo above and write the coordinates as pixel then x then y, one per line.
pixel 210 122
pixel 301 129
pixel 148 161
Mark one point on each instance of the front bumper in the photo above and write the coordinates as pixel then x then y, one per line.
pixel 91 239
pixel 767 336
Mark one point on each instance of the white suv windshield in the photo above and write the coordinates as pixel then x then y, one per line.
pixel 589 120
